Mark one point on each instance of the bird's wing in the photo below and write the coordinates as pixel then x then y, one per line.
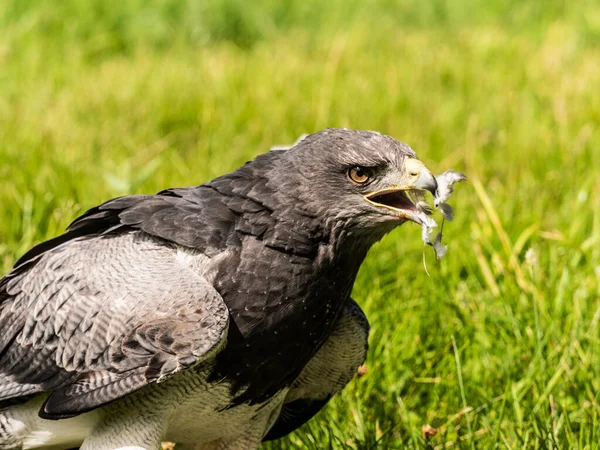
pixel 327 373
pixel 97 317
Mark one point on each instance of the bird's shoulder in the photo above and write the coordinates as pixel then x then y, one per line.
pixel 184 216
pixel 99 317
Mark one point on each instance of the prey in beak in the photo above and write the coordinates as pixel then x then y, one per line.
pixel 405 197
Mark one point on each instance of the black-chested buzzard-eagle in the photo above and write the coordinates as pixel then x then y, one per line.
pixel 214 316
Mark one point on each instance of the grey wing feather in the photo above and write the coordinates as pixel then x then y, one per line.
pixel 447 211
pixel 97 318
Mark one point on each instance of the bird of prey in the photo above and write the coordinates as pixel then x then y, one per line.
pixel 214 316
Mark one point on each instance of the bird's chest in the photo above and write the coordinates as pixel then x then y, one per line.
pixel 283 308
pixel 269 291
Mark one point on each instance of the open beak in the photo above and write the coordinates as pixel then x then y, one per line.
pixel 403 197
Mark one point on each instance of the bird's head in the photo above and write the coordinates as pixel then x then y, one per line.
pixel 364 179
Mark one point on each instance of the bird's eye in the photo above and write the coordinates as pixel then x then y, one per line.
pixel 359 175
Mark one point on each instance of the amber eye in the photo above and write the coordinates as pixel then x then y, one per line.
pixel 359 175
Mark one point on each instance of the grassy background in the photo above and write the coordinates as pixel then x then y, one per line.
pixel 499 347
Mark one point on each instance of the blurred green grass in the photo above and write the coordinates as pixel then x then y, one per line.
pixel 105 98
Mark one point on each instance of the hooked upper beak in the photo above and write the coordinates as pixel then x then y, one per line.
pixel 424 179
